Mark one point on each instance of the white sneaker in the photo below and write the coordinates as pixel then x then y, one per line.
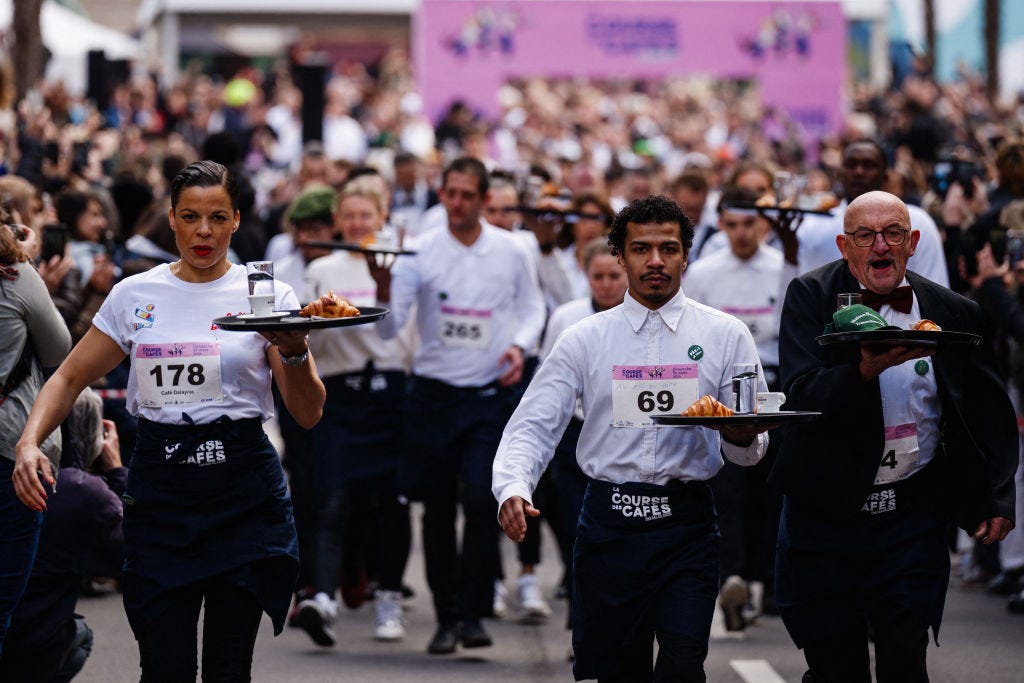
pixel 388 608
pixel 731 599
pixel 531 602
pixel 755 605
pixel 500 607
pixel 316 617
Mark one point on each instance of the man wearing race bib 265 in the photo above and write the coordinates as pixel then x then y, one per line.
pixel 478 306
pixel 646 555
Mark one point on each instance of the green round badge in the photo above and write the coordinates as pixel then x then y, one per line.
pixel 921 367
pixel 695 352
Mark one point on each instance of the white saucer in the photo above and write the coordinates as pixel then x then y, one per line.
pixel 273 315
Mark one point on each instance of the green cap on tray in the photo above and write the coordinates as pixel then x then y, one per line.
pixel 857 318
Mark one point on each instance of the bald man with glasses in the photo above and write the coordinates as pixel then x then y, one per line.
pixel 910 439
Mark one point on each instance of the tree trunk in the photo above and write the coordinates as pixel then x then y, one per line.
pixel 28 44
pixel 992 8
pixel 929 34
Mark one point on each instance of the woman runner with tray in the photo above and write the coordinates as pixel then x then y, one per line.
pixel 208 519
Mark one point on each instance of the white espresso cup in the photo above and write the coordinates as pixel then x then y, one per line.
pixel 262 304
pixel 770 401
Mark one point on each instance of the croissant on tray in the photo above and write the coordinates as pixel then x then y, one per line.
pixel 329 305
pixel 707 406
pixel 925 325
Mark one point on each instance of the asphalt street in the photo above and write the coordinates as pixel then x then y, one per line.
pixel 979 641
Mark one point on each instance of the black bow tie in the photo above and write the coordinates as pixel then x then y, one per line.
pixel 901 299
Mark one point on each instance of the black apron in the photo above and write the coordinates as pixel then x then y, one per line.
pixel 646 559
pixel 891 557
pixel 203 501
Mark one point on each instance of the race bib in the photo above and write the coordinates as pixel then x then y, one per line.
pixel 900 454
pixel 760 320
pixel 178 374
pixel 465 328
pixel 638 391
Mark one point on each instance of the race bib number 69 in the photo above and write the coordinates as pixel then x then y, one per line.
pixel 178 374
pixel 639 391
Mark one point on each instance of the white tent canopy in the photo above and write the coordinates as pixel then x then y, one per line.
pixel 69 37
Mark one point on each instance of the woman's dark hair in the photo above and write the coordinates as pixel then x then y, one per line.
pixel 70 206
pixel 651 209
pixel 205 174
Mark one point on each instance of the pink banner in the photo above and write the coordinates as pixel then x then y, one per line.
pixel 466 49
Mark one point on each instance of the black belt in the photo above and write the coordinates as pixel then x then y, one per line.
pixel 437 384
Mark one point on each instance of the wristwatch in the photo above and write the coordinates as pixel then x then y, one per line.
pixel 294 360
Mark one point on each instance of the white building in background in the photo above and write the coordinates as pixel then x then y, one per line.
pixel 69 36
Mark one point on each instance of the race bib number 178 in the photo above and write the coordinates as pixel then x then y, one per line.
pixel 186 373
pixel 639 391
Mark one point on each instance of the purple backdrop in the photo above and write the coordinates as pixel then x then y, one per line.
pixel 465 49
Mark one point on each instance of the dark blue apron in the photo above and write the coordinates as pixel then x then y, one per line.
pixel 891 557
pixel 208 500
pixel 646 559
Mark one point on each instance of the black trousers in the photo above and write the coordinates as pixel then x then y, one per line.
pixel 168 641
pixel 452 435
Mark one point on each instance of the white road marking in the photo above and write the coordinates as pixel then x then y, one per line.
pixel 756 671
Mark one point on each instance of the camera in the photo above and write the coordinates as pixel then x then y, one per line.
pixel 949 170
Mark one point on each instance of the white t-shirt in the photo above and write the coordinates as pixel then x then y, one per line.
pixel 343 350
pixel 743 288
pixel 180 362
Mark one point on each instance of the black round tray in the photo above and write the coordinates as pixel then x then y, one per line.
pixel 294 321
pixel 901 338
pixel 368 249
pixel 781 417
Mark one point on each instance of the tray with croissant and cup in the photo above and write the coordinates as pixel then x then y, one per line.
pixel 707 411
pixel 923 333
pixel 329 310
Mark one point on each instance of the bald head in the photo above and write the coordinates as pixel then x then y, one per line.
pixel 877 240
pixel 873 201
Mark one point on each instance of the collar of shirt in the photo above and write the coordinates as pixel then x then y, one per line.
pixel 671 312
pixel 483 243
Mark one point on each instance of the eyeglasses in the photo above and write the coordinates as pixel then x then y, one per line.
pixel 893 236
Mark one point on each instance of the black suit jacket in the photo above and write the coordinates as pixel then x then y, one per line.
pixel 831 464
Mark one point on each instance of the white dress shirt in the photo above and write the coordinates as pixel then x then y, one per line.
pixel 472 304
pixel 745 288
pixel 699 341
pixel 909 397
